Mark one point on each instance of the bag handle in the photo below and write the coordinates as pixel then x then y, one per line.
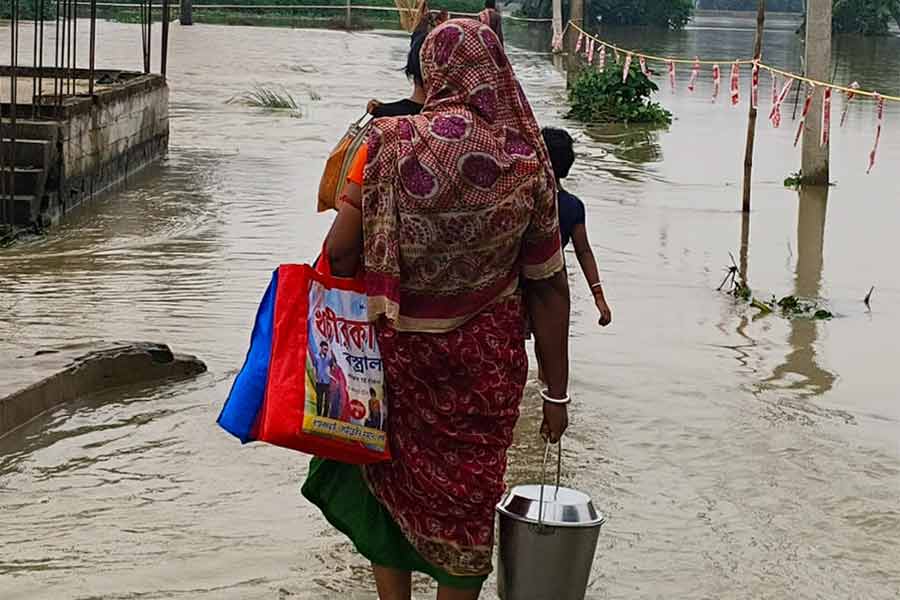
pixel 359 122
pixel 544 477
pixel 323 265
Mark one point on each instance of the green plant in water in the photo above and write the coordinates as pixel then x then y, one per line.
pixel 602 97
pixel 794 180
pixel 792 307
pixel 265 97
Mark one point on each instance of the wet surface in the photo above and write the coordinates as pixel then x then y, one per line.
pixel 736 456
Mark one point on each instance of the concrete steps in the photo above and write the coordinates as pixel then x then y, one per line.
pixel 30 130
pixel 25 153
pixel 29 160
pixel 26 181
pixel 22 209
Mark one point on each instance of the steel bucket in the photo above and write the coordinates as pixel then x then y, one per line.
pixel 548 537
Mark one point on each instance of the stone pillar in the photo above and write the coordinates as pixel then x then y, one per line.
pixel 187 12
pixel 818 67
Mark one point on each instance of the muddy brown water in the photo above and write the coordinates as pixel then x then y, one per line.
pixel 736 456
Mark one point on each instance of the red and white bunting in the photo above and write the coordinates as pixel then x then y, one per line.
pixel 643 63
pixel 754 86
pixel 579 42
pixel 775 115
pixel 826 117
pixel 601 62
pixel 556 45
pixel 879 111
pixel 806 106
pixel 774 88
pixel 735 84
pixel 717 81
pixel 672 83
pixel 847 100
pixel 590 51
pixel 695 73
pixel 627 68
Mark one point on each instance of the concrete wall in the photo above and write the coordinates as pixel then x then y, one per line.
pixel 35 384
pixel 117 135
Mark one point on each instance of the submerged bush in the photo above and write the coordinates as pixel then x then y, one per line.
pixel 602 97
pixel 265 97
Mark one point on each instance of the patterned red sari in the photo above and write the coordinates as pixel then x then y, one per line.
pixel 458 205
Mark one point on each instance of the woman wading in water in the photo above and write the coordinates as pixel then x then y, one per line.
pixel 453 218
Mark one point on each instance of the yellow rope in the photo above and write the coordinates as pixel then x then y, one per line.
pixel 741 61
pixel 682 61
pixel 813 82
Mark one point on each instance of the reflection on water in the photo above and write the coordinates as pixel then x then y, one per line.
pixel 801 371
pixel 632 147
pixel 714 487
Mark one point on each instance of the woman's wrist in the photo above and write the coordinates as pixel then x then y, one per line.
pixel 555 397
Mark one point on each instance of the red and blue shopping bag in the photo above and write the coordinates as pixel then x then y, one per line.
pixel 313 379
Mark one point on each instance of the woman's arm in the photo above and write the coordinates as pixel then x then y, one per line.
pixel 344 242
pixel 588 263
pixel 548 306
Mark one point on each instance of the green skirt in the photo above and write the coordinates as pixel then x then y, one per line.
pixel 342 494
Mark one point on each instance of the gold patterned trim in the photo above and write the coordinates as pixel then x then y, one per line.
pixel 547 269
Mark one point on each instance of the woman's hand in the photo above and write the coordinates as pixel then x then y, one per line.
pixel 556 421
pixel 373 104
pixel 603 308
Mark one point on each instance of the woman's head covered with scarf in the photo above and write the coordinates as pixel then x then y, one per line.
pixel 461 198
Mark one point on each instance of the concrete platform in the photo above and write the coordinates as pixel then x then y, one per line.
pixel 66 150
pixel 34 384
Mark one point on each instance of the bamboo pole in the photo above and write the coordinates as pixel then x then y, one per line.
pixel 576 16
pixel 557 18
pixel 751 122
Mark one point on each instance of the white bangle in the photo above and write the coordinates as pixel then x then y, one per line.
pixel 545 396
pixel 597 285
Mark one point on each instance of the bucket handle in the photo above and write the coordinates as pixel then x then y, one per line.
pixel 544 478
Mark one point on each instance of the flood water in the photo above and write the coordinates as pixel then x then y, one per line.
pixel 735 456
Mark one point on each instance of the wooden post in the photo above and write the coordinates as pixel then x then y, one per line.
pixel 349 18
pixel 751 123
pixel 557 18
pixel 573 64
pixel 815 168
pixel 187 12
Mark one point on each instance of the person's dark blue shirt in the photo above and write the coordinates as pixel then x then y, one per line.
pixel 571 213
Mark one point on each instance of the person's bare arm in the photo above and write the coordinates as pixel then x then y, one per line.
pixel 588 263
pixel 548 306
pixel 344 241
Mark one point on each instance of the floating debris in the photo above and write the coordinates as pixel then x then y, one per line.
pixel 868 299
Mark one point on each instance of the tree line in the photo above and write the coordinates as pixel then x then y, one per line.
pixel 868 17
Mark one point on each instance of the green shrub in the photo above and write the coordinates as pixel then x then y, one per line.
pixel 673 14
pixel 602 97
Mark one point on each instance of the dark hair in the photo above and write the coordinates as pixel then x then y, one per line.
pixel 413 67
pixel 490 4
pixel 561 148
pixel 323 344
